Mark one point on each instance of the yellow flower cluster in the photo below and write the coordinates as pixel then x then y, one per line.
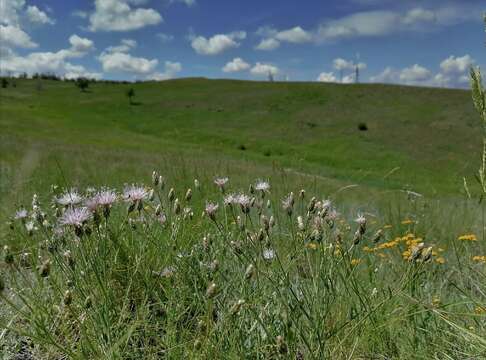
pixel 480 258
pixel 407 222
pixel 355 262
pixel 468 237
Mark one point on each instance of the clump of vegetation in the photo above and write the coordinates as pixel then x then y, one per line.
pixel 362 126
pixel 4 82
pixel 214 271
pixel 82 83
pixel 130 94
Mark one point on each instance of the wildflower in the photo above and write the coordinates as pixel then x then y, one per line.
pixel 300 223
pixel 230 199
pixel 69 258
pixel 407 222
pixel 188 196
pixel 30 227
pixel 211 290
pixel 250 271
pixel 68 298
pixel 21 214
pixel 69 198
pixel 177 207
pixel 311 245
pixel 302 194
pixel 135 193
pixel 76 217
pixel 211 209
pixel 288 204
pixel 245 202
pixel 197 185
pixel 271 221
pixel 479 258
pixel 440 260
pixel 355 262
pixel 378 235
pixel 45 268
pixel 235 309
pixel 312 204
pixel 468 237
pixel 171 194
pixel 221 182
pixel 262 186
pixel 268 254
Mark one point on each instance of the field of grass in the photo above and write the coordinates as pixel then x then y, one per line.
pixel 358 266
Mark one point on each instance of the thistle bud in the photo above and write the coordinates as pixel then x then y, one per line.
pixel 302 194
pixel 271 221
pixel 214 266
pixel 378 235
pixel 281 345
pixel 45 268
pixel 251 189
pixel 177 207
pixel 250 272
pixel 197 185
pixel 357 237
pixel 88 302
pixel 260 235
pixel 416 252
pixel 300 223
pixel 155 178
pixel 240 223
pixel 188 195
pixel 69 258
pixel 426 254
pixel 9 258
pixel 235 309
pixel 312 205
pixel 171 195
pixel 211 290
pixel 68 298
pixel 151 195
pixel 161 183
pixel 269 204
pixel 24 260
pixel 158 210
pixel 265 222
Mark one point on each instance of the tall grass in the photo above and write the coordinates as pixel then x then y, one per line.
pixel 168 273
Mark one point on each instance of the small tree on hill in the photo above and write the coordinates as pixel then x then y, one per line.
pixel 130 95
pixel 82 83
pixel 4 83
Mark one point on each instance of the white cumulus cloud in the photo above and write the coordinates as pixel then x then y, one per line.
pixel 327 77
pixel 119 15
pixel 123 62
pixel 12 35
pixel 235 65
pixel 268 44
pixel 262 69
pixel 294 35
pixel 217 43
pixel 457 65
pixel 414 74
pixel 170 71
pixel 35 15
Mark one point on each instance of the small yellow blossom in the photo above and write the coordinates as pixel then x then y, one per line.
pixel 436 301
pixel 440 260
pixel 478 258
pixel 355 262
pixel 480 309
pixel 407 222
pixel 311 245
pixel 388 226
pixel 468 237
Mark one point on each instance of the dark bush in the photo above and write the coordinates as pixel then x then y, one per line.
pixel 362 126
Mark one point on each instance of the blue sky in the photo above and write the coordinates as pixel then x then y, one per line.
pixel 430 43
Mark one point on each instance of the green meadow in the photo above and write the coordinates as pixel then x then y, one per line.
pixel 366 244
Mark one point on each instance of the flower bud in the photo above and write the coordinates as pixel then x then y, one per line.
pixel 177 207
pixel 68 298
pixel 188 195
pixel 250 272
pixel 235 309
pixel 211 290
pixel 197 185
pixel 45 268
pixel 171 195
pixel 155 178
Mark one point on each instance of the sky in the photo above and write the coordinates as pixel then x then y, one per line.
pixel 427 43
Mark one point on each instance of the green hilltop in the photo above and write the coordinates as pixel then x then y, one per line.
pixel 420 139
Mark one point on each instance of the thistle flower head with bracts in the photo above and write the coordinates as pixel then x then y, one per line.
pixel 211 209
pixel 76 217
pixel 135 193
pixel 244 201
pixel 262 185
pixel 230 199
pixel 221 182
pixel 69 198
pixel 288 203
pixel 21 214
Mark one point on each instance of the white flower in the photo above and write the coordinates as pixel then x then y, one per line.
pixel 135 193
pixel 268 254
pixel 230 199
pixel 361 220
pixel 262 185
pixel 21 214
pixel 70 197
pixel 211 209
pixel 75 217
pixel 221 182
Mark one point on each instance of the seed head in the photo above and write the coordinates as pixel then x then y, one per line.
pixel 211 290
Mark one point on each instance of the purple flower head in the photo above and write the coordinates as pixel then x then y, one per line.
pixel 69 198
pixel 135 193
pixel 221 182
pixel 21 214
pixel 75 217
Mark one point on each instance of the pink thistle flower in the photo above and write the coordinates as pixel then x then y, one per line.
pixel 75 217
pixel 244 201
pixel 69 198
pixel 135 193
pixel 21 214
pixel 211 209
pixel 221 182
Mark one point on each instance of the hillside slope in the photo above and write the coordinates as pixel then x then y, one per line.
pixel 423 139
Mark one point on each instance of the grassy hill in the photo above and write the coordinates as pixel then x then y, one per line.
pixel 422 139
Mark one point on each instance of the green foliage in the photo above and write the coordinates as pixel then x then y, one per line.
pixel 82 83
